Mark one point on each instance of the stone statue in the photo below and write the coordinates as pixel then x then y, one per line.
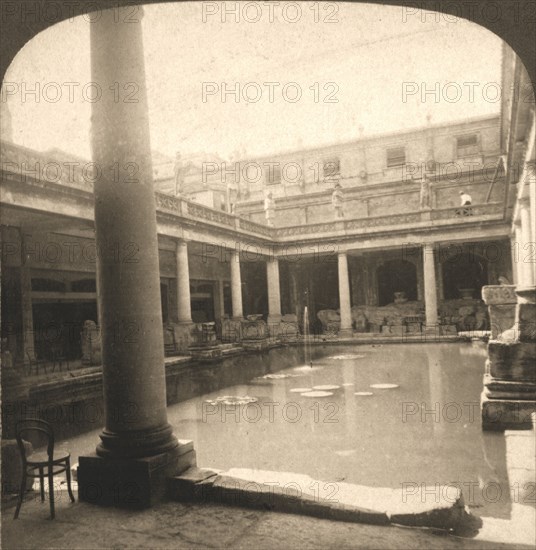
pixel 424 198
pixel 336 200
pixel 269 209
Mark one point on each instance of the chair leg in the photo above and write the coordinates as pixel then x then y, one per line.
pixel 68 476
pixel 21 493
pixel 42 484
pixel 51 491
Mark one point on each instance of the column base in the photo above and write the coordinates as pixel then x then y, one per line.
pixel 507 414
pixel 131 482
pixel 345 333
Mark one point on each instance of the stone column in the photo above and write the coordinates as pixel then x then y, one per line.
pixel 430 287
pixel 138 449
pixel 28 334
pixel 274 296
pixel 526 252
pixel 344 297
pixel 184 304
pixel 514 255
pixel 236 286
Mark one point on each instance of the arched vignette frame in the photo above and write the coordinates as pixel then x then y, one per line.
pixel 508 21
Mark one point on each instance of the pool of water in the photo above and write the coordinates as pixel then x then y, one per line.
pixel 425 429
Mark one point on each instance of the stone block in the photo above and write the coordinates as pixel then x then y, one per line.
pixel 131 482
pixel 505 414
pixel 512 360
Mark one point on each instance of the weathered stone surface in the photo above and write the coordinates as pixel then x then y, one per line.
pixel 501 414
pixel 440 507
pixel 508 389
pixel 499 294
pixel 512 360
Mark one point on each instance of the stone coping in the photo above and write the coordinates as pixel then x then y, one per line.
pixel 435 507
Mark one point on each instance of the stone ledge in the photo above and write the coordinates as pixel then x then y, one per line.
pixel 438 507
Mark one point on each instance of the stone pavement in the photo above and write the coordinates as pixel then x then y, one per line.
pixel 180 525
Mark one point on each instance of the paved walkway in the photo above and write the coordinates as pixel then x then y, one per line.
pixel 178 525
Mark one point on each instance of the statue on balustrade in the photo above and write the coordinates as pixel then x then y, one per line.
pixel 337 200
pixel 425 194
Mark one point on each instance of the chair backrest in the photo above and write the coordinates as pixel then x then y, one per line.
pixel 35 425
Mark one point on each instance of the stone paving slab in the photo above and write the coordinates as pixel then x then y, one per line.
pixel 184 526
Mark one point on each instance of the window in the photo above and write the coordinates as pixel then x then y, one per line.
pixel 332 167
pixel 273 174
pixel 467 145
pixel 396 156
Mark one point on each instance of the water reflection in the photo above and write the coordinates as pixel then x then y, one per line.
pixel 425 431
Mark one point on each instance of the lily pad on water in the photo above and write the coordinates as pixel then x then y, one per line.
pixel 300 390
pixel 384 386
pixel 232 400
pixel 278 376
pixel 317 394
pixel 325 387
pixel 363 393
pixel 347 356
pixel 307 368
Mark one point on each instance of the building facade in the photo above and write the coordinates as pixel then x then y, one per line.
pixel 398 254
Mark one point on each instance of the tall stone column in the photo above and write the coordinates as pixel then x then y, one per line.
pixel 526 251
pixel 236 286
pixel 430 287
pixel 344 296
pixel 274 293
pixel 28 333
pixel 184 304
pixel 138 449
pixel 518 254
pixel 274 296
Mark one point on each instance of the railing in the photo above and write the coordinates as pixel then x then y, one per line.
pixel 460 212
pixel 204 212
pixel 421 217
pixel 255 227
pixel 30 166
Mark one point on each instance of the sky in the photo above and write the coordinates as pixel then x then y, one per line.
pixel 340 71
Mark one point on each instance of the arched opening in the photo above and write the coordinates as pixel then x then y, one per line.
pixel 396 276
pixel 464 276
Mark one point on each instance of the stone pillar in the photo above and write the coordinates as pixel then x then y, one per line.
pixel 430 287
pixel 184 304
pixel 138 450
pixel 344 297
pixel 518 254
pixel 28 333
pixel 509 397
pixel 526 251
pixel 236 286
pixel 274 294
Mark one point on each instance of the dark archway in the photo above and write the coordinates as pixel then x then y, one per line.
pixel 396 276
pixel 464 276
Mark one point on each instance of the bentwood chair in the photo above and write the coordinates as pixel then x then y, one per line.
pixel 46 463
